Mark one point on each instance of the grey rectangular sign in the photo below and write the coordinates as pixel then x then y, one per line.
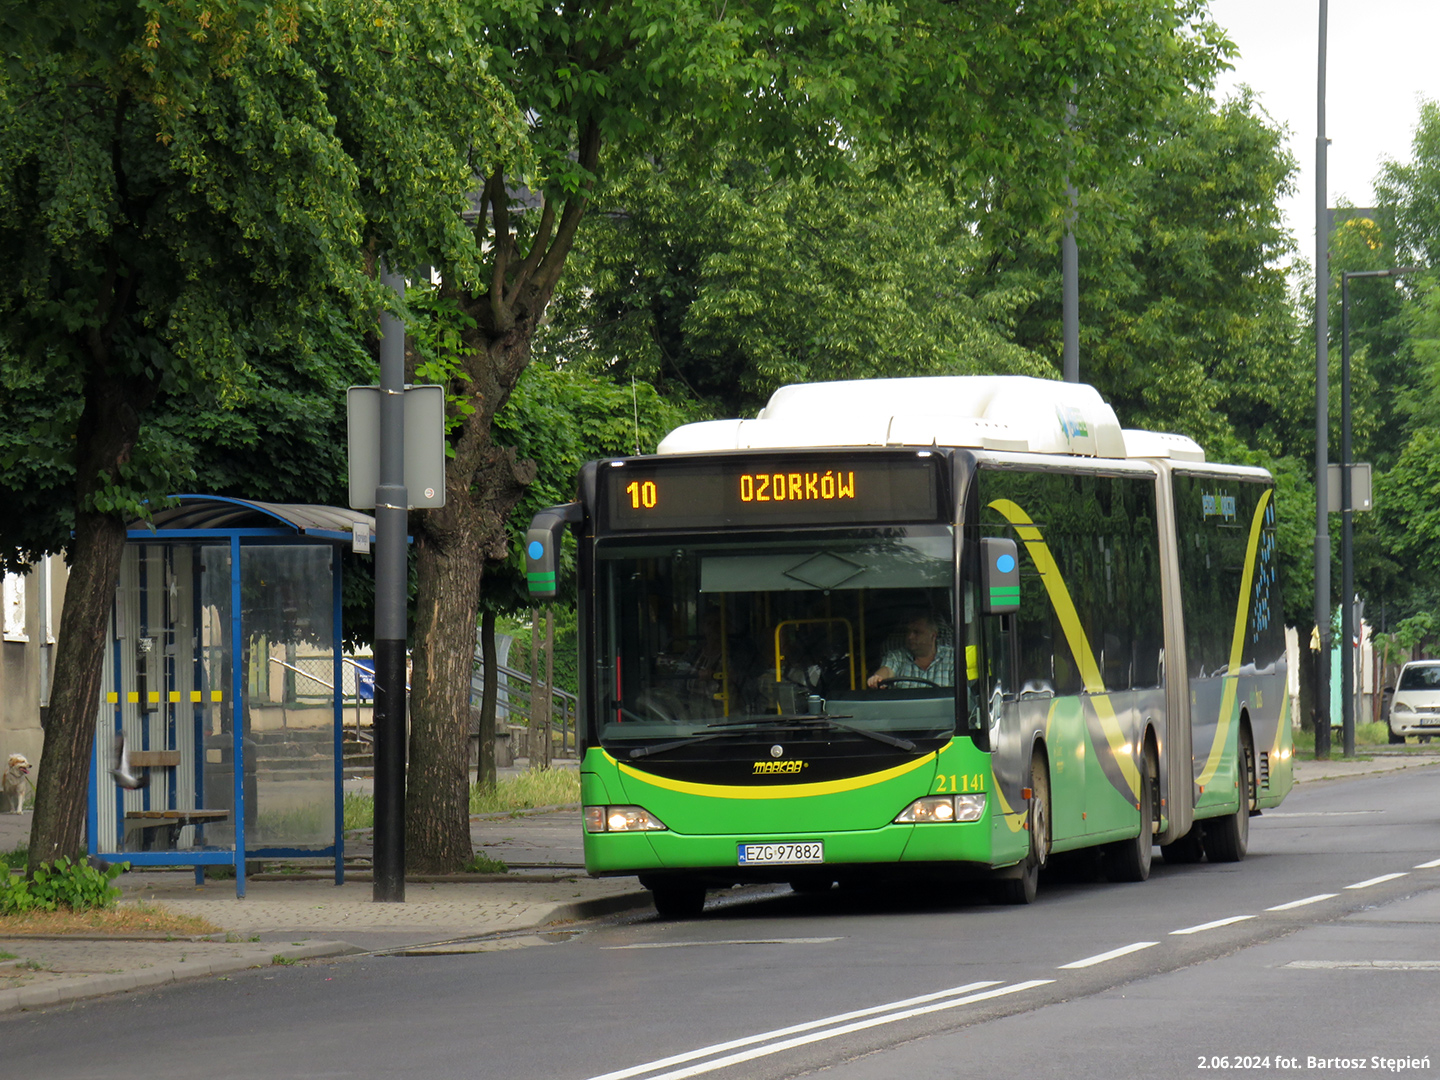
pixel 1359 486
pixel 424 446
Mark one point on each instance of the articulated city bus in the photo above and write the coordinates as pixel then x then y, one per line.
pixel 938 628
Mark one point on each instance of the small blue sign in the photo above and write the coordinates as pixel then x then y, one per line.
pixel 364 682
pixel 536 549
pixel 1005 564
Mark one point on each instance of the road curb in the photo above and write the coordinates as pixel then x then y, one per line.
pixel 89 986
pixel 580 910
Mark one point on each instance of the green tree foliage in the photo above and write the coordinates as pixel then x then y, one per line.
pixel 1395 344
pixel 723 283
pixel 192 193
pixel 1185 320
pixel 971 94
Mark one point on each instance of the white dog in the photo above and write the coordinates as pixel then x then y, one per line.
pixel 12 787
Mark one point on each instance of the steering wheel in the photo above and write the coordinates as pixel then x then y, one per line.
pixel 885 684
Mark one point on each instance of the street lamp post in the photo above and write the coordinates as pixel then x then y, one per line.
pixel 1322 409
pixel 1347 511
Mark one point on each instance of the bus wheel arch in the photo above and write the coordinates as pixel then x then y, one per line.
pixel 1021 883
pixel 1228 838
pixel 1130 860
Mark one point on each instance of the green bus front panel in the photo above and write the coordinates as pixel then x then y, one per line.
pixel 706 823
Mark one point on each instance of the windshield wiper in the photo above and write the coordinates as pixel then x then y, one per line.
pixel 757 724
pixel 878 736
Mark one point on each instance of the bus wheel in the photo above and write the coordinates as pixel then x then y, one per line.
pixel 1228 838
pixel 1129 860
pixel 1190 848
pixel 1022 889
pixel 678 899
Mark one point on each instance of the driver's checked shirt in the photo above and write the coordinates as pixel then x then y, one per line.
pixel 941 671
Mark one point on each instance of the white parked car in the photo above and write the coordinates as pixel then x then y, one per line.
pixel 1415 708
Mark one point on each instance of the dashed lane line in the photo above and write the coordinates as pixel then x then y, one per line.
pixel 1374 881
pixel 1212 925
pixel 1301 903
pixel 1113 954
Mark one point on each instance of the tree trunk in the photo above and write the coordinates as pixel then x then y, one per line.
pixel 547 699
pixel 61 791
pixel 1307 687
pixel 107 431
pixel 485 756
pixel 437 817
pixel 452 546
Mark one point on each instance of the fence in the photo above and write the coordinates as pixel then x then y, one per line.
pixel 514 691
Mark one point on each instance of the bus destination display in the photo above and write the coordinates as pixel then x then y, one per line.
pixel 838 489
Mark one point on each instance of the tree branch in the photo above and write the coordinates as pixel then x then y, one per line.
pixel 500 208
pixel 537 250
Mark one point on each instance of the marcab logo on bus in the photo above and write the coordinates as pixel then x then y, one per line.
pixel 766 768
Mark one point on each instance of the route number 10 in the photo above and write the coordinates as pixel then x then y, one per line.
pixel 641 494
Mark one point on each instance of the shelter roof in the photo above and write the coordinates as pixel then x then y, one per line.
pixel 219 513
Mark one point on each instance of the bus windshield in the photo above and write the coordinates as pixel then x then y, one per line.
pixel 696 635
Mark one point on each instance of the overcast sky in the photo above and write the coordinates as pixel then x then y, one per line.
pixel 1382 61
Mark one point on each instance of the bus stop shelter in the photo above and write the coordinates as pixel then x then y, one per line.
pixel 222 681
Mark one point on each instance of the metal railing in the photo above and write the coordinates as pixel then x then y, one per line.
pixel 514 705
pixel 513 701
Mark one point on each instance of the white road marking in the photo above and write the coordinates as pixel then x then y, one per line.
pixel 1431 865
pixel 736 941
pixel 750 1040
pixel 1212 925
pixel 1124 950
pixel 1302 903
pixel 831 1033
pixel 1319 813
pixel 1360 965
pixel 1374 881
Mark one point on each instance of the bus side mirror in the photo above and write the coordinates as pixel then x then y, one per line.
pixel 999 576
pixel 542 547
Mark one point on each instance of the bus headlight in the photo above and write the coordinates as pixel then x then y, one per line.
pixel 943 808
pixel 620 819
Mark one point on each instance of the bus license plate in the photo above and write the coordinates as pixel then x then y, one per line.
pixel 781 854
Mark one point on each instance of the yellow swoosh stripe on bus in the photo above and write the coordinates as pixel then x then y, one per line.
pixel 1237 646
pixel 1074 637
pixel 789 791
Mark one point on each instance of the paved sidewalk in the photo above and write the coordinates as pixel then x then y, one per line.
pixel 283 920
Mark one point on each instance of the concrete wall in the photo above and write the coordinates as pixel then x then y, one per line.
pixel 29 620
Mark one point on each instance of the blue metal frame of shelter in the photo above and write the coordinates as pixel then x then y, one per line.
pixel 215 519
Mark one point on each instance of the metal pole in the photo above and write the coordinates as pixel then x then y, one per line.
pixel 1070 279
pixel 1322 412
pixel 391 527
pixel 1347 534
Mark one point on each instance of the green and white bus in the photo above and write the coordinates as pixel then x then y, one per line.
pixel 933 628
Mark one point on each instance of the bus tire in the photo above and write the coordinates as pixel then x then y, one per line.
pixel 1129 860
pixel 678 899
pixel 1023 889
pixel 1228 838
pixel 1190 848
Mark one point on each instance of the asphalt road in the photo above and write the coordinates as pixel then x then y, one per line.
pixel 1307 952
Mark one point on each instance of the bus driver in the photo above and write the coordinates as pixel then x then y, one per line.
pixel 923 659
